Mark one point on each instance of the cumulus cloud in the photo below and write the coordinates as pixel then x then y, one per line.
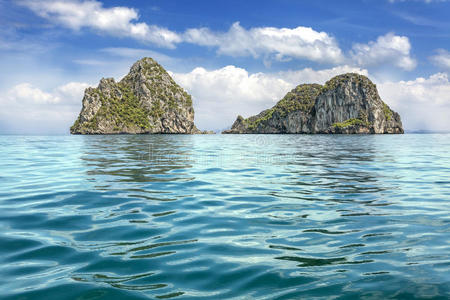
pixel 282 43
pixel 25 93
pixel 29 109
pixel 387 49
pixel 115 21
pixel 423 103
pixel 220 95
pixel 71 92
pixel 441 59
pixel 266 42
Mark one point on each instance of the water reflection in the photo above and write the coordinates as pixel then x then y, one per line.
pixel 136 158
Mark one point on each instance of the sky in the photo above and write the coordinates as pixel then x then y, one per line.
pixel 233 57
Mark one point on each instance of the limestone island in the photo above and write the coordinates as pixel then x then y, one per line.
pixel 347 103
pixel 147 100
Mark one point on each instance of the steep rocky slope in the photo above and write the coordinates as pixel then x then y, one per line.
pixel 347 103
pixel 147 100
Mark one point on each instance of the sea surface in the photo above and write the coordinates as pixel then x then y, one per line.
pixel 225 217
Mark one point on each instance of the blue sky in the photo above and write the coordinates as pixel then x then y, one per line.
pixel 234 57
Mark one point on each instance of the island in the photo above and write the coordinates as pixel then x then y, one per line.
pixel 147 100
pixel 348 103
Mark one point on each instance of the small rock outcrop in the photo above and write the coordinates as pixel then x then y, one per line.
pixel 347 103
pixel 147 100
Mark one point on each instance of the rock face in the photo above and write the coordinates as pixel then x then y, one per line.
pixel 147 100
pixel 347 103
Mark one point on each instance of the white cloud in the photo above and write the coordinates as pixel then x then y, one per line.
pixel 72 92
pixel 423 103
pixel 387 49
pixel 28 109
pixel 25 93
pixel 115 21
pixel 282 43
pixel 441 59
pixel 220 95
pixel 266 42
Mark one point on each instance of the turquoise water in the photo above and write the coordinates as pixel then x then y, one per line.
pixel 217 217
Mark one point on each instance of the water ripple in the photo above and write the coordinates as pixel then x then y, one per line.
pixel 189 217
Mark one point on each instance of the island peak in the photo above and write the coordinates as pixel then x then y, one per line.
pixel 146 100
pixel 347 103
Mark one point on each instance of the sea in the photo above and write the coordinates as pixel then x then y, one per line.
pixel 225 217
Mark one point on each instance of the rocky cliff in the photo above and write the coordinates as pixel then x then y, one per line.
pixel 147 100
pixel 347 103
